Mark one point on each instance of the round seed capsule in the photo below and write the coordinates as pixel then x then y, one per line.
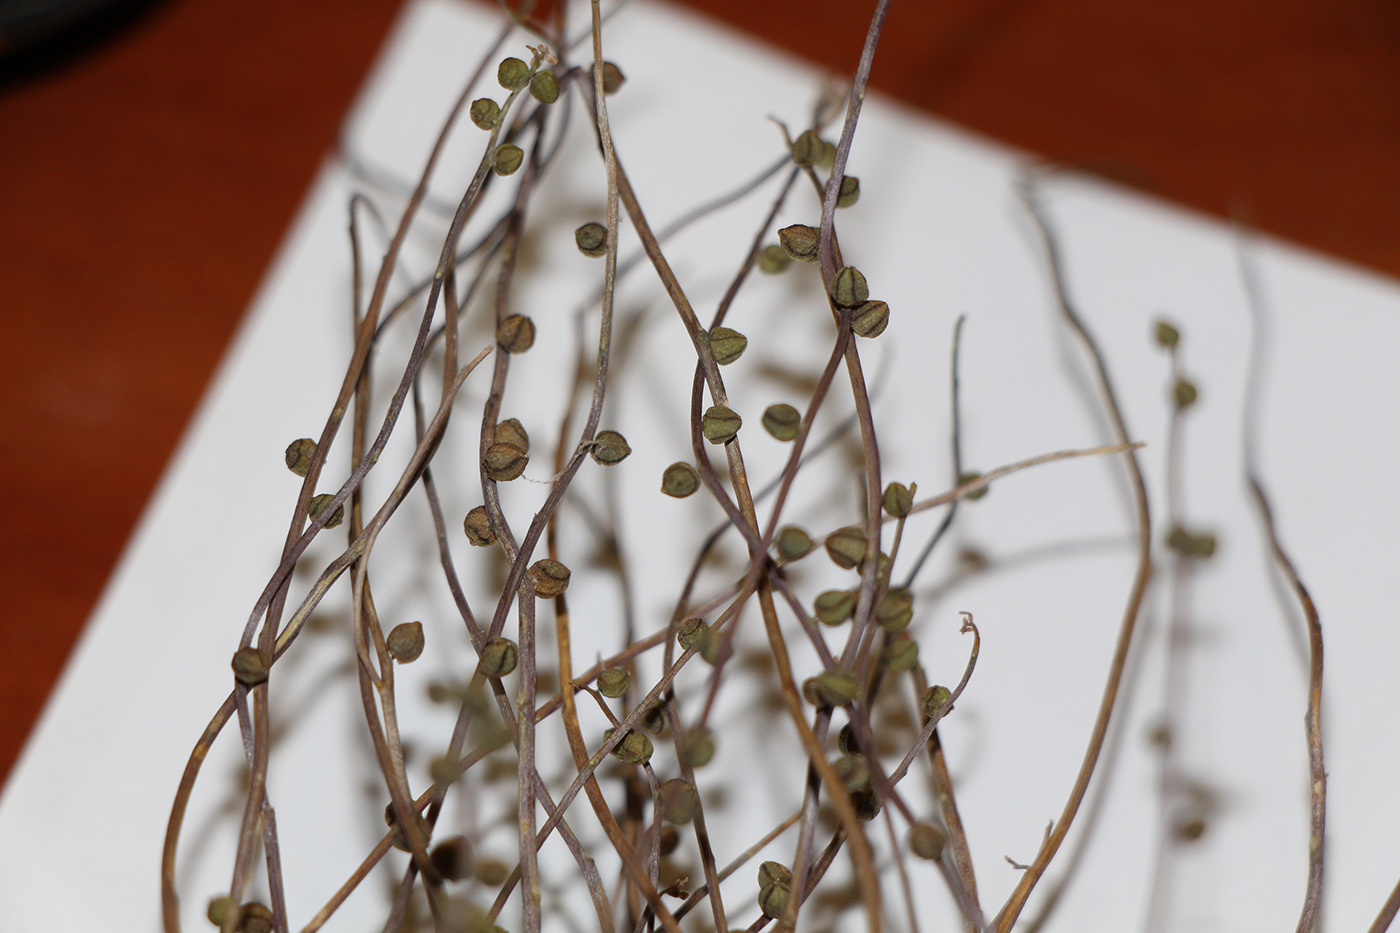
pixel 499 657
pixel 512 74
pixel 774 873
pixel 727 345
pixel 255 917
pixel 850 191
pixel 504 462
pixel 801 242
pixel 934 698
pixel 773 259
pixel 544 87
pixel 515 334
pixel 485 113
pixel 720 424
pixel 250 666
pixel 900 653
pixel 507 158
pixel 405 642
pixel 699 748
pixel 613 681
pixel 807 148
pixel 609 447
pixel 772 900
pixel 635 749
pixel 219 909
pixel 837 687
pixel 1184 394
pixel 927 841
pixel 965 478
pixel 846 546
pixel 895 610
pixel 848 288
pixel 613 78
pixel 898 500
pixel 1166 335
pixel 680 480
pixel 793 543
pixel 452 858
pixel 679 801
pixel 551 578
pixel 319 504
pixel 834 606
pixel 299 455
pixel 870 319
pixel 592 239
pixel 512 432
pixel 782 421
pixel 478 528
pixel 690 631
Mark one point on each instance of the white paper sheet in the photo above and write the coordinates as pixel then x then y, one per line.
pixel 939 233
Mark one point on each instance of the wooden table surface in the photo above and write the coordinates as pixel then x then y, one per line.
pixel 148 181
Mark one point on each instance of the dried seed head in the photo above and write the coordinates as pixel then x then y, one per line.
pixel 837 687
pixel 485 113
pixel 934 698
pixel 850 191
pixel 870 319
pixel 219 909
pixel 609 447
pixel 846 546
pixel 801 242
pixel 507 158
pixel 613 681
pixel 544 87
pixel 782 421
pixel 680 480
pixel 318 505
pixel 515 334
pixel 512 432
pixel 478 527
pixel 834 606
pixel 699 748
pixel 772 900
pixel 405 642
pixel 499 657
pixel 773 259
pixel 895 610
pixel 727 345
pixel 634 749
pixel 678 801
pixel 299 455
pixel 1167 336
pixel 690 631
pixel 965 478
pixel 504 462
pixel 255 917
pixel 774 873
pixel 250 666
pixel 848 288
pixel 613 78
pixel 1184 394
pixel 396 831
pixel 1199 545
pixel 512 73
pixel 720 424
pixel 900 654
pixel 807 148
pixel 551 578
pixel 592 239
pixel 899 501
pixel 452 858
pixel 793 543
pixel 927 841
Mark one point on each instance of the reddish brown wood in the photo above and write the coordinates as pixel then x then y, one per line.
pixel 146 186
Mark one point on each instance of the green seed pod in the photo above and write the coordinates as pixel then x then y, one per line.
pixel 396 831
pixel 846 546
pixel 485 113
pixel 927 841
pixel 850 191
pixel 773 899
pixel 828 156
pixel 690 631
pixel 793 543
pixel 504 462
pixel 782 421
pixel 499 657
pixel 807 148
pixel 299 455
pixel 727 345
pixel 1199 545
pixel 846 740
pixel 405 642
pixel 452 858
pixel 255 917
pixel 507 158
pixel 834 606
pixel 550 577
pixel 544 87
pixel 515 334
pixel 609 447
pixel 613 681
pixel 679 800
pixel 492 872
pixel 219 909
pixel 899 501
pixel 613 78
pixel 848 289
pixel 512 73
pixel 478 528
pixel 895 610
pixel 900 654
pixel 1166 335
pixel 318 505
pixel 854 772
pixel 699 748
pixel 838 687
pixel 680 480
pixel 1184 394
pixel 774 873
pixel 635 749
pixel 512 432
pixel 870 319
pixel 250 666
pixel 934 698
pixel 710 643
pixel 592 239
pixel 801 242
pixel 773 259
pixel 965 478
pixel 720 424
